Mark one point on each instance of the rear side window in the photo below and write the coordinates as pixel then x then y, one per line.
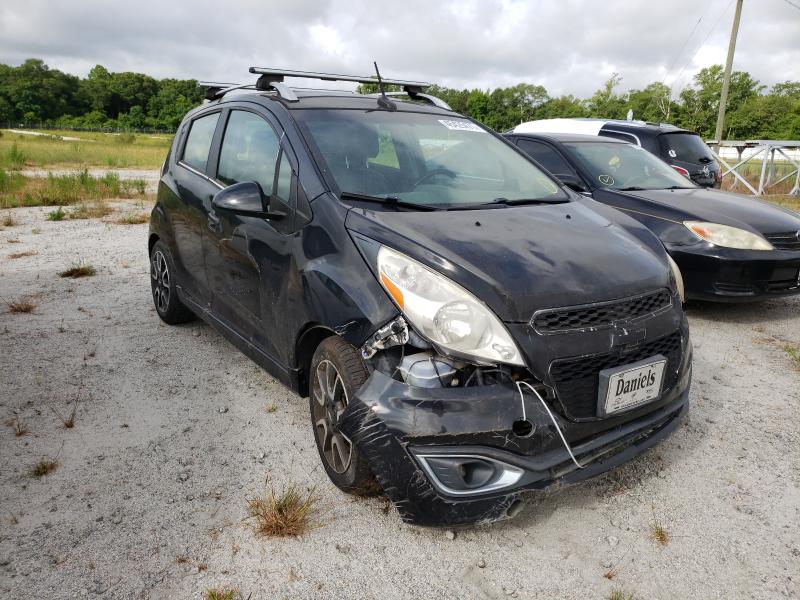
pixel 685 147
pixel 545 156
pixel 249 151
pixel 198 142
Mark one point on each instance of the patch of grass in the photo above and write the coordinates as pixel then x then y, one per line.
pixel 44 467
pixel 93 149
pixel 96 209
pixel 78 271
pixel 619 594
pixel 133 219
pixel 126 138
pixel 793 352
pixel 18 426
pixel 272 408
pixel 56 215
pixel 288 513
pixel 22 305
pixel 787 201
pixel 14 157
pixel 222 594
pixel 62 190
pixel 36 231
pixel 15 255
pixel 8 220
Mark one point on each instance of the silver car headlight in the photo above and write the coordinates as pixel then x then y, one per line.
pixel 444 312
pixel 727 236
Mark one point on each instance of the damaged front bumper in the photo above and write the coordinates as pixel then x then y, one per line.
pixel 421 442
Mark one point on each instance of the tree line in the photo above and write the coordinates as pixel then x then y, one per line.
pixel 33 93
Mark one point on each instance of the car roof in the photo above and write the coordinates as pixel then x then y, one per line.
pixel 568 137
pixel 330 99
pixel 593 126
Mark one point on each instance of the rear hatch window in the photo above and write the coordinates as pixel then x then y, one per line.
pixel 684 147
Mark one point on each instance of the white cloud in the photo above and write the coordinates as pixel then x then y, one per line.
pixel 569 46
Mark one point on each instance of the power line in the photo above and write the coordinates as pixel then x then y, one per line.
pixel 790 3
pixel 703 43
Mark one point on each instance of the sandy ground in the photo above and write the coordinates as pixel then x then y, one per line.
pixel 172 436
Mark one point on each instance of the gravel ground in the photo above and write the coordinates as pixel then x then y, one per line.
pixel 173 434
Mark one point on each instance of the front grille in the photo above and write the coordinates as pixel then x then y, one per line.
pixel 576 380
pixel 788 240
pixel 601 314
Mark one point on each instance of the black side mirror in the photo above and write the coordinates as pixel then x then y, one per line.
pixel 572 182
pixel 245 199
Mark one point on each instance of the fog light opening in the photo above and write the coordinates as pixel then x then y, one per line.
pixel 523 428
pixel 514 509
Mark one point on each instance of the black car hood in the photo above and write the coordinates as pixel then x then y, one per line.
pixel 523 258
pixel 715 206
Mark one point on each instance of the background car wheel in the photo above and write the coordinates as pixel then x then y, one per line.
pixel 337 372
pixel 162 283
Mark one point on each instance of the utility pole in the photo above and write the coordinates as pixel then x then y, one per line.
pixel 726 78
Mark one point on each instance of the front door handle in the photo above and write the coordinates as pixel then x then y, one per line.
pixel 213 222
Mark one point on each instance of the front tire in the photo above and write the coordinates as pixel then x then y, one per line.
pixel 162 285
pixel 337 373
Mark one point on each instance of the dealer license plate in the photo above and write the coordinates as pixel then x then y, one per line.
pixel 623 388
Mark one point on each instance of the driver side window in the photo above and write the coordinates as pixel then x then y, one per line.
pixel 249 151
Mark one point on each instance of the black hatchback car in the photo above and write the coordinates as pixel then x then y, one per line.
pixel 465 328
pixel 681 149
pixel 729 247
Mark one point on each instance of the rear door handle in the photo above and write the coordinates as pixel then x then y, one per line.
pixel 213 222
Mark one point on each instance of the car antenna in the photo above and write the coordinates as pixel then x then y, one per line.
pixel 383 99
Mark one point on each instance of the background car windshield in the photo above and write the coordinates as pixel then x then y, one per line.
pixel 421 158
pixel 621 166
pixel 685 147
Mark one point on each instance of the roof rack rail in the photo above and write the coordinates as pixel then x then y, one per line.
pixel 272 79
pixel 435 101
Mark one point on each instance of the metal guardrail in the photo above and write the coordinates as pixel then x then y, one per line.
pixel 767 150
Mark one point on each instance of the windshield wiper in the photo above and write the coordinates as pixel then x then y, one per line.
pixel 631 188
pixel 520 201
pixel 391 201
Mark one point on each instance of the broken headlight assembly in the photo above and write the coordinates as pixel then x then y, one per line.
pixel 446 314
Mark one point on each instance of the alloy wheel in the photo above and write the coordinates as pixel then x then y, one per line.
pixel 330 400
pixel 159 272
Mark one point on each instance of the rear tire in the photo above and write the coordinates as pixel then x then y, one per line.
pixel 162 285
pixel 337 373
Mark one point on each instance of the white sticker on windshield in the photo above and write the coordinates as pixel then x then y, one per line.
pixel 460 125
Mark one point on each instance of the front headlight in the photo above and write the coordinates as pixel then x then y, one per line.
pixel 444 312
pixel 728 237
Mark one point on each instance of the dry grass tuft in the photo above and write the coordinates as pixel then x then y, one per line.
pixel 18 426
pixel 659 534
pixel 222 594
pixel 91 210
pixel 272 408
pixel 23 305
pixel 44 467
pixel 289 513
pixel 77 271
pixel 69 421
pixel 618 594
pixel 9 221
pixel 15 255
pixel 133 219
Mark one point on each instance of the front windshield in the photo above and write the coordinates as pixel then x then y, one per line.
pixel 625 166
pixel 421 158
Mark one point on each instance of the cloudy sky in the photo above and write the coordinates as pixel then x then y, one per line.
pixel 569 46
